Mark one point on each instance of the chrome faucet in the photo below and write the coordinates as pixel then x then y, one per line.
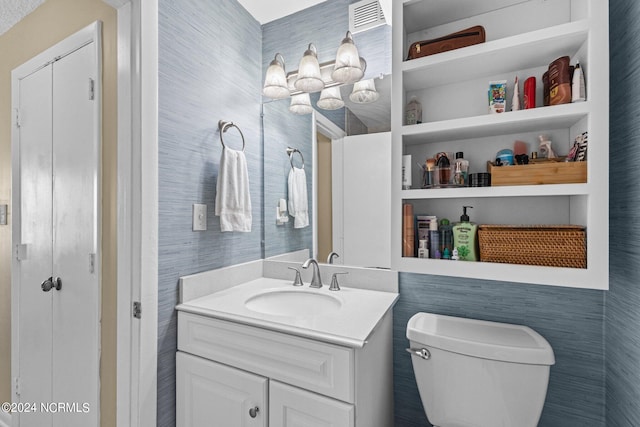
pixel 316 280
pixel 331 256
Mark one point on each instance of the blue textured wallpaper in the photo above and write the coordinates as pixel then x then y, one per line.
pixel 209 69
pixel 623 298
pixel 570 319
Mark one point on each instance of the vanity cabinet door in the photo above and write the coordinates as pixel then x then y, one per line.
pixel 294 407
pixel 214 395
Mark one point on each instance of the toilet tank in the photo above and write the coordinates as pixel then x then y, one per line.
pixel 476 373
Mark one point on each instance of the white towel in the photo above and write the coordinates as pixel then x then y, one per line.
pixel 298 204
pixel 233 201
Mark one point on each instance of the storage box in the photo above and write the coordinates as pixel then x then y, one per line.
pixel 546 245
pixel 540 172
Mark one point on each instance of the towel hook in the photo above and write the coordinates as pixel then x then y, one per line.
pixel 291 152
pixel 223 126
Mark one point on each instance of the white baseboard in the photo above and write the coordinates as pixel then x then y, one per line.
pixel 5 419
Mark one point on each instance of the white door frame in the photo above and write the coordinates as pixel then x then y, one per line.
pixel 326 127
pixel 83 37
pixel 137 198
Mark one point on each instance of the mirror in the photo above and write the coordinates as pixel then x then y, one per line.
pixel 338 148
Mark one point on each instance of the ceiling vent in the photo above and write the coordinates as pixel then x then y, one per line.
pixel 365 15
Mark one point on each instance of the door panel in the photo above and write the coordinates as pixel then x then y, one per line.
pixel 35 340
pixel 367 215
pixel 210 394
pixel 76 309
pixel 58 194
pixel 294 407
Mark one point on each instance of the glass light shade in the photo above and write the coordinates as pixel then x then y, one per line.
pixel 364 92
pixel 301 104
pixel 330 99
pixel 348 67
pixel 275 82
pixel 309 77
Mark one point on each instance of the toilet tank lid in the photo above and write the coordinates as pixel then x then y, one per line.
pixel 480 338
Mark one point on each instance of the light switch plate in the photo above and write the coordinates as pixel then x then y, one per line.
pixel 199 217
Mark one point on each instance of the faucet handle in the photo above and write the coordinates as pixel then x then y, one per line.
pixel 334 281
pixel 298 280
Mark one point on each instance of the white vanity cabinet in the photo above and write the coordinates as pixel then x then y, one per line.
pixel 522 38
pixel 227 369
pixel 210 393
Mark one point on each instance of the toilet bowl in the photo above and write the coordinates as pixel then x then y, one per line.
pixel 474 373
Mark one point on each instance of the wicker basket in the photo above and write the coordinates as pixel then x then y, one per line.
pixel 547 245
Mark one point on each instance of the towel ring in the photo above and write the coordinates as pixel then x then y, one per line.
pixel 223 126
pixel 291 152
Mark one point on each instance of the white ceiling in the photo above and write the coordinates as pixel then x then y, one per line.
pixel 267 11
pixel 12 11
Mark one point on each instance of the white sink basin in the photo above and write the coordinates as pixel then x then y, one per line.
pixel 293 303
pixel 345 317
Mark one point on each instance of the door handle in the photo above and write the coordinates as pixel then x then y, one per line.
pixel 51 283
pixel 47 284
pixel 253 412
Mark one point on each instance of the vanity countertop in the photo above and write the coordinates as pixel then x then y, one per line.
pixel 350 318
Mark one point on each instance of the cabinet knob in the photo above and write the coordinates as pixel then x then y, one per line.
pixel 253 412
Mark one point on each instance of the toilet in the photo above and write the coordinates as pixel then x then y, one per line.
pixel 474 373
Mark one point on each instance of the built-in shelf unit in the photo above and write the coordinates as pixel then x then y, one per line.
pixel 522 38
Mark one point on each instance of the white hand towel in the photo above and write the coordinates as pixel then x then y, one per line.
pixel 298 203
pixel 233 200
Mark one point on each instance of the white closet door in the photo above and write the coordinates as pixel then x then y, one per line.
pixel 76 308
pixel 57 153
pixel 35 326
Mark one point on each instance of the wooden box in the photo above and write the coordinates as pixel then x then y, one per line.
pixel 541 172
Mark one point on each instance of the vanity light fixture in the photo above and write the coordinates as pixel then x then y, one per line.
pixel 347 68
pixel 309 77
pixel 364 92
pixel 312 76
pixel 301 104
pixel 330 99
pixel 275 82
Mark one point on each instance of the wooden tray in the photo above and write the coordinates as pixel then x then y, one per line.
pixel 540 172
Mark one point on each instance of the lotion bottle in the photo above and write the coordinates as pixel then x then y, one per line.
pixel 465 237
pixel 577 85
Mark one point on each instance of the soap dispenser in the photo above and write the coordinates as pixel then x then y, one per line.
pixel 465 237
